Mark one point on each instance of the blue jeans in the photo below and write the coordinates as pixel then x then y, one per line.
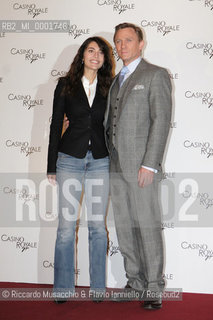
pixel 73 175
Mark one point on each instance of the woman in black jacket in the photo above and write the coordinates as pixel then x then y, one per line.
pixel 79 158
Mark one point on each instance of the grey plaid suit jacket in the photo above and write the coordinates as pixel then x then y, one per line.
pixel 143 117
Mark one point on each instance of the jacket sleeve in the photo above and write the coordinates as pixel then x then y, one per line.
pixel 160 103
pixel 56 126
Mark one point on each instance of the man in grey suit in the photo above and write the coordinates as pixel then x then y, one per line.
pixel 137 122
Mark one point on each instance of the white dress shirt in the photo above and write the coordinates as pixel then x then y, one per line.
pixel 131 67
pixel 90 89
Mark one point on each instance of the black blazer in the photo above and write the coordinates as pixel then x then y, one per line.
pixel 85 123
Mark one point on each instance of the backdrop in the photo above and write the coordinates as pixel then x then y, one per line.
pixel 38 41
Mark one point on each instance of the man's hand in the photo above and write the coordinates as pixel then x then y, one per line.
pixel 145 177
pixel 52 179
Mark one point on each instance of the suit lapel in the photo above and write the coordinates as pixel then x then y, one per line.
pixel 106 122
pixel 129 84
pixel 98 96
pixel 126 89
pixel 82 95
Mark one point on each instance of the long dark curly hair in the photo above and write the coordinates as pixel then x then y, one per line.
pixel 76 71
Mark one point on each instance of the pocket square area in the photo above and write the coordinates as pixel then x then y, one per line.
pixel 138 87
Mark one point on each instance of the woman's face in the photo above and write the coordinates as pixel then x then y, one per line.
pixel 93 57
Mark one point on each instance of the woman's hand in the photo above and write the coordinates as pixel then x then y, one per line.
pixel 52 179
pixel 66 124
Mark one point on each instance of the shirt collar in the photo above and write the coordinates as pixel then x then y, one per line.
pixel 86 83
pixel 133 65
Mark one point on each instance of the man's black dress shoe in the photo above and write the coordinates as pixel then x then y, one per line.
pixel 97 300
pixel 152 305
pixel 97 296
pixel 60 301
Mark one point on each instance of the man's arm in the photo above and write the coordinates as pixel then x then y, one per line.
pixel 160 104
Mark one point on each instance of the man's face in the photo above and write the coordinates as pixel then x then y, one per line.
pixel 128 45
